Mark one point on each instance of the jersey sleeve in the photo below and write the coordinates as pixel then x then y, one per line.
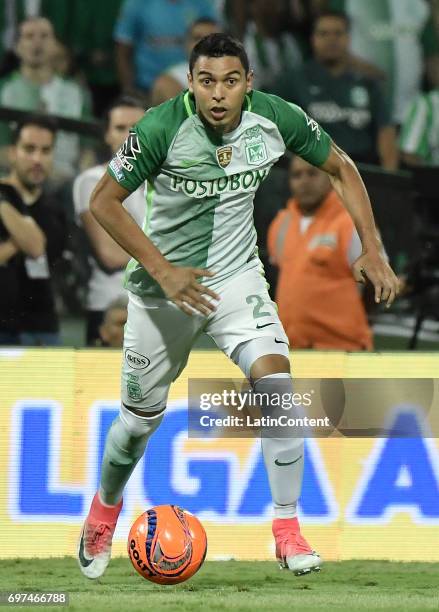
pixel 302 135
pixel 142 153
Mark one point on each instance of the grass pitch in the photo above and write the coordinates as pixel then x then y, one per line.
pixel 233 585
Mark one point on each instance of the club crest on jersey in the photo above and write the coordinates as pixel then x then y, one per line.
pixel 255 149
pixel 129 150
pixel 224 156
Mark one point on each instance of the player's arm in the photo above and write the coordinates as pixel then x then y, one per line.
pixel 24 232
pixel 179 284
pixel 7 251
pixel 108 253
pixel 348 184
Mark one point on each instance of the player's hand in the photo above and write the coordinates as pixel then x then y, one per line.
pixel 181 286
pixel 373 266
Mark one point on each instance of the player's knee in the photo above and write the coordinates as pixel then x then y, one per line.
pixel 275 356
pixel 276 395
pixel 137 424
pixel 268 365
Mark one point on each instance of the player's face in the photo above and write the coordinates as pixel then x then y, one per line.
pixel 36 42
pixel 121 119
pixel 219 85
pixel 330 40
pixel 308 184
pixel 32 156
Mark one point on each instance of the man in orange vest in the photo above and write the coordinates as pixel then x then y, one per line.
pixel 314 243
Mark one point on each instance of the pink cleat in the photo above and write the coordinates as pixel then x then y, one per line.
pixel 94 546
pixel 292 550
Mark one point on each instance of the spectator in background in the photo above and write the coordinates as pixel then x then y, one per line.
pixel 399 37
pixel 350 107
pixel 108 258
pixel 31 155
pixel 314 243
pixel 419 137
pixel 111 328
pixel 36 87
pixel 12 13
pixel 174 79
pixel 84 26
pixel 20 237
pixel 93 45
pixel 271 50
pixel 150 37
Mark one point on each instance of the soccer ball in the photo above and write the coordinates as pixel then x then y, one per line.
pixel 167 544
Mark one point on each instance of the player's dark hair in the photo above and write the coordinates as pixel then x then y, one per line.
pixel 219 45
pixel 42 121
pixel 124 100
pixel 332 14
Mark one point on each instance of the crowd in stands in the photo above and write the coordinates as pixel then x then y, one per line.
pixel 368 72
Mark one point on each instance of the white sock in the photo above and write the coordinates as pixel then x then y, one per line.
pixel 283 457
pixel 125 444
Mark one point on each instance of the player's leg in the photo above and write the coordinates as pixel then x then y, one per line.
pixel 247 328
pixel 283 452
pixel 125 444
pixel 158 338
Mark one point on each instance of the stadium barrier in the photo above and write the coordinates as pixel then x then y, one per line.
pixel 362 497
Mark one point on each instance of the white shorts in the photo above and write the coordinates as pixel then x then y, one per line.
pixel 159 336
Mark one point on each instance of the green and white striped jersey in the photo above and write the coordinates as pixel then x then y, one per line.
pixel 201 185
pixel 420 131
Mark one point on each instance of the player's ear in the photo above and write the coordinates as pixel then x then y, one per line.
pixel 249 81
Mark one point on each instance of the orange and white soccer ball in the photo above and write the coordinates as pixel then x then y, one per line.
pixel 167 544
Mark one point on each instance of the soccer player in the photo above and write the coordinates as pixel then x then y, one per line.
pixel 196 268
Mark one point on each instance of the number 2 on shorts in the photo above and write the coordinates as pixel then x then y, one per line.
pixel 258 305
